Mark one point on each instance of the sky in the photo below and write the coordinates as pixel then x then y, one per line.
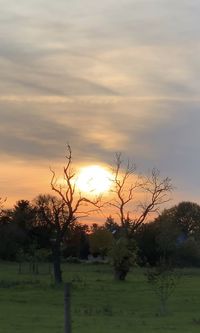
pixel 104 76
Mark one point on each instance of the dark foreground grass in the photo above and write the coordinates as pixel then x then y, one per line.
pixel 99 304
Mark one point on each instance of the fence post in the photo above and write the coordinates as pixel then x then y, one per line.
pixel 67 312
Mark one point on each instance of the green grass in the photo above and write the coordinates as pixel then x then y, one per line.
pixel 30 304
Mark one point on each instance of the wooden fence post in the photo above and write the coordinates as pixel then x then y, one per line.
pixel 67 310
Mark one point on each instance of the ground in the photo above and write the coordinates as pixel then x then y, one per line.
pixel 32 304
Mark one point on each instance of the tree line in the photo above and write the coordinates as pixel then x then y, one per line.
pixel 49 227
pixel 174 233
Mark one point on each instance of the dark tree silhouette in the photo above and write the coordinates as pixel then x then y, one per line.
pixel 51 213
pixel 128 186
pixel 76 242
pixel 2 201
pixel 23 214
pixel 179 233
pixel 73 203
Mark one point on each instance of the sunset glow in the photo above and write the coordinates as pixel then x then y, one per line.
pixel 105 76
pixel 94 179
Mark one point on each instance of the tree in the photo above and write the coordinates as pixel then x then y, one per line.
pixel 23 214
pixel 2 201
pixel 111 225
pixel 123 255
pixel 23 217
pixel 126 188
pixel 100 241
pixel 187 216
pixel 11 239
pixel 51 214
pixel 73 203
pixel 166 238
pixel 163 279
pixel 146 238
pixel 179 233
pixel 76 243
pixel 11 236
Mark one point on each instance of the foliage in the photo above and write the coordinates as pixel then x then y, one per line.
pixel 76 243
pixel 166 238
pixel 100 241
pixel 23 214
pixel 127 187
pixel 111 225
pixel 12 238
pixel 178 233
pixel 163 279
pixel 185 216
pixel 188 253
pixel 123 256
pixel 52 213
pixel 146 238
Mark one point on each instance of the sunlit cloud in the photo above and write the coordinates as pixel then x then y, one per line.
pixel 103 76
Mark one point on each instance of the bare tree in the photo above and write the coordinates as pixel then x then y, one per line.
pixel 72 203
pixel 123 188
pixel 128 185
pixel 51 214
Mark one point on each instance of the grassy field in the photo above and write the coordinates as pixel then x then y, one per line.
pixel 32 304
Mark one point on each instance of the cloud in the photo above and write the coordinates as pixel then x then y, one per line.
pixel 52 54
pixel 105 76
pixel 40 130
pixel 109 48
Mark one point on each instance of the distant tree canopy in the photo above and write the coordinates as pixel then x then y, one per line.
pixel 185 217
pixel 100 241
pixel 15 229
pixel 173 234
pixel 23 214
pixel 76 242
pixel 51 222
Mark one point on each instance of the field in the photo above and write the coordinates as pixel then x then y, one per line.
pixel 32 304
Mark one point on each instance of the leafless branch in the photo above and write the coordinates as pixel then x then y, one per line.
pixel 122 189
pixel 2 201
pixel 72 199
pixel 125 189
pixel 158 190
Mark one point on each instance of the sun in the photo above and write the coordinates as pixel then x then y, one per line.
pixel 94 179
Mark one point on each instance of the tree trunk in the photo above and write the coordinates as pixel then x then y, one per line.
pixel 20 268
pixel 57 263
pixel 120 275
pixel 163 306
pixel 67 313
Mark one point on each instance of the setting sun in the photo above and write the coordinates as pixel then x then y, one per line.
pixel 94 179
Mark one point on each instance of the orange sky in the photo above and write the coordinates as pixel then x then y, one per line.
pixel 105 76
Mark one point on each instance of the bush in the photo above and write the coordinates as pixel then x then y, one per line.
pixel 123 256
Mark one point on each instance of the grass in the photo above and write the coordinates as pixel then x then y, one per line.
pixel 30 304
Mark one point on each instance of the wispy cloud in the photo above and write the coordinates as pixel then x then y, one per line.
pixel 105 76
